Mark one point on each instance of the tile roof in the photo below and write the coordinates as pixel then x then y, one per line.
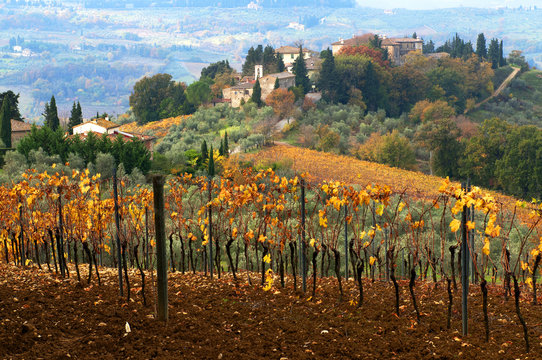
pixel 356 40
pixel 106 124
pixel 394 41
pixel 17 125
pixel 290 50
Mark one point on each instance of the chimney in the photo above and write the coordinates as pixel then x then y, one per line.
pixel 258 72
pixel 342 42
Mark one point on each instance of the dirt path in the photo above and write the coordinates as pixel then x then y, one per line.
pixel 496 93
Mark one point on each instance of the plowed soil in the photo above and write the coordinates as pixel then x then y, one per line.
pixel 43 316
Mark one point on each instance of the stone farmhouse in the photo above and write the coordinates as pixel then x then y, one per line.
pixel 242 92
pixel 397 47
pixel 19 129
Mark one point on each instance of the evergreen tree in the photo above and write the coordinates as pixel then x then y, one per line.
pixel 429 48
pixel 226 145
pixel 481 49
pixel 257 93
pixel 221 148
pixel 51 115
pixel 502 60
pixel 493 53
pixel 76 118
pixel 5 124
pixel 211 167
pixel 277 84
pixel 414 36
pixel 204 151
pixel 13 104
pixel 300 71
pixel 328 82
pixel 280 63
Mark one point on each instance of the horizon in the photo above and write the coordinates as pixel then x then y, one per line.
pixel 444 4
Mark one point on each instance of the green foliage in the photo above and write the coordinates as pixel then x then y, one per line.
pixel 257 94
pixel 199 92
pixel 148 98
pixel 51 115
pixel 132 153
pixel 204 151
pixel 211 168
pixel 519 171
pixel 13 100
pixel 482 152
pixel 328 82
pixel 441 136
pixel 266 57
pixel 215 69
pixel 494 53
pixel 481 49
pixel 76 117
pixel 52 142
pixel 301 73
pixel 396 151
pixel 226 145
pixel 5 123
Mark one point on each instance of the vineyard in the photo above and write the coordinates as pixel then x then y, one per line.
pixel 330 249
pixel 155 128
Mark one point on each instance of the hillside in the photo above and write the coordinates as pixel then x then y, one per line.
pixel 322 166
pixel 518 104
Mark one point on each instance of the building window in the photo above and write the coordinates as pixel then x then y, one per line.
pixel 291 56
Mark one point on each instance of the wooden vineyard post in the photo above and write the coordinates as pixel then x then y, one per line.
pixel 210 241
pixel 464 270
pixel 386 253
pixel 345 242
pixel 117 226
pixel 21 238
pixel 161 258
pixel 146 247
pixel 471 243
pixel 303 251
pixel 60 241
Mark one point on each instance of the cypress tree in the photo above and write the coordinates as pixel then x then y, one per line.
pixel 493 54
pixel 211 168
pixel 5 123
pixel 300 71
pixel 257 93
pixel 481 49
pixel 277 84
pixel 51 115
pixel 328 83
pixel 280 63
pixel 502 60
pixel 226 145
pixel 221 148
pixel 76 117
pixel 204 151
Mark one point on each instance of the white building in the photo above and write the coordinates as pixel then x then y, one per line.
pixel 100 126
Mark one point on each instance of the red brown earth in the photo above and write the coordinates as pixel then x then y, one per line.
pixel 45 317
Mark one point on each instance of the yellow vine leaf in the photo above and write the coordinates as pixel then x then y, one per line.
pixel 455 225
pixel 485 249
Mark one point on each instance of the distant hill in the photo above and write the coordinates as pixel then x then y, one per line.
pixel 104 4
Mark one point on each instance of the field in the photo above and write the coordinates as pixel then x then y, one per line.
pixel 46 317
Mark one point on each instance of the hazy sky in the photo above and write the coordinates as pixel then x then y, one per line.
pixel 432 4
